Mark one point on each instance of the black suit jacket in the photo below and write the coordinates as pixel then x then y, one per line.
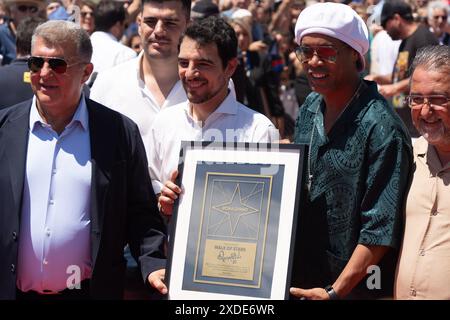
pixel 123 204
pixel 13 88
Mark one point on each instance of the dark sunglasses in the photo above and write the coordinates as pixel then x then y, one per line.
pixel 25 8
pixel 325 53
pixel 437 17
pixel 58 65
pixel 84 14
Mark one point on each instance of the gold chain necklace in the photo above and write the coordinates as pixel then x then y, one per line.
pixel 310 175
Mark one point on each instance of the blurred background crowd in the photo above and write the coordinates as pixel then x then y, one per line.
pixel 269 78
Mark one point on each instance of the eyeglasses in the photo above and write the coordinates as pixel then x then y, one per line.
pixel 84 14
pixel 442 17
pixel 436 102
pixel 58 65
pixel 25 8
pixel 325 53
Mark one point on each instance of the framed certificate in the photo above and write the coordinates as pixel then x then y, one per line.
pixel 234 224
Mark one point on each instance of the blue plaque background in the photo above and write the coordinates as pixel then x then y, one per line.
pixel 224 176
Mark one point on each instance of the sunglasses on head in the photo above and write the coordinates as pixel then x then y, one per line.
pixel 58 65
pixel 325 53
pixel 25 8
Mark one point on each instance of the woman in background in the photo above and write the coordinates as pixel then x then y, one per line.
pixel 87 20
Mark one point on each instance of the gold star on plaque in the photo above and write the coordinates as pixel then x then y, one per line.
pixel 234 210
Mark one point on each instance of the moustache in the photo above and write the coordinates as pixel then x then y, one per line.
pixel 159 40
pixel 193 79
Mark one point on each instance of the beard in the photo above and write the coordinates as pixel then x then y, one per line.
pixel 157 53
pixel 199 98
pixel 437 135
pixel 394 34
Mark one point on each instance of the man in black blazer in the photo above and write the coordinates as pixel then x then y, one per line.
pixel 96 150
pixel 15 77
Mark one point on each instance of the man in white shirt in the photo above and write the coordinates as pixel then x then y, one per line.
pixel 109 27
pixel 383 52
pixel 207 59
pixel 141 87
pixel 206 62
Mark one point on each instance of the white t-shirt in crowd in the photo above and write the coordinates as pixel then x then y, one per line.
pixel 107 52
pixel 122 89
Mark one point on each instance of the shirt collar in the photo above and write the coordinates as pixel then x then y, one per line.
pixel 228 106
pixel 427 154
pixel 176 95
pixel 80 116
pixel 352 111
pixel 421 147
pixel 314 107
pixel 104 35
pixel 139 60
pixel 367 88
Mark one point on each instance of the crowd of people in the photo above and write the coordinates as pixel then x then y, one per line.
pixel 96 97
pixel 268 79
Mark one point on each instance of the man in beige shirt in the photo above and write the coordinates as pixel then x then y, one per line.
pixel 423 271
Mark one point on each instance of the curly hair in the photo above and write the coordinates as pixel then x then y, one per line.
pixel 215 30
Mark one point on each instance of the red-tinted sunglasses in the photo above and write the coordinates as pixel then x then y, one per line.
pixel 325 53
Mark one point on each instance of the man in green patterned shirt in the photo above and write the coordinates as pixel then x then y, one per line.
pixel 357 168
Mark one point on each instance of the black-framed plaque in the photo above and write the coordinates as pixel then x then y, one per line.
pixel 234 224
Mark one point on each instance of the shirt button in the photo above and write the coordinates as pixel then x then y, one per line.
pixel 422 252
pixel 47 232
pixel 13 268
pixel 54 171
pixel 45 262
pixel 433 213
pixel 51 202
pixel 14 235
pixel 413 292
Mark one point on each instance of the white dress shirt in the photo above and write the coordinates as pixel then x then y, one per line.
pixel 230 122
pixel 122 89
pixel 107 52
pixel 54 238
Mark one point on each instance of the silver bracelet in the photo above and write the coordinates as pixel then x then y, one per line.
pixel 333 295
